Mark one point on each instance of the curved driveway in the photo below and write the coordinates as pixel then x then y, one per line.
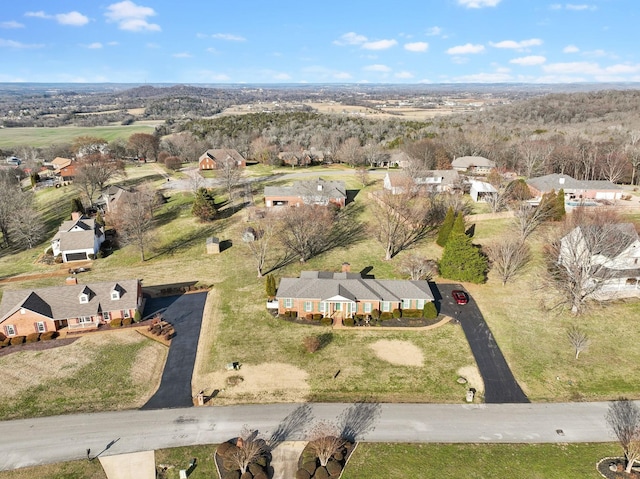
pixel 499 384
pixel 28 442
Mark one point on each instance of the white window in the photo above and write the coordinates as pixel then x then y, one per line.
pixel 10 329
pixel 386 306
pixel 308 306
pixel 106 316
pixel 322 306
pixel 288 302
pixel 354 308
pixel 367 307
pixel 125 313
pixel 115 295
pixel 420 303
pixel 41 327
pixel 85 319
pixel 84 298
pixel 406 304
pixel 337 307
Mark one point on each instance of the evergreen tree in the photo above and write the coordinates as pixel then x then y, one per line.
pixel 559 210
pixel 204 206
pixel 517 190
pixel 548 205
pixel 76 205
pixel 99 219
pixel 461 260
pixel 270 286
pixel 458 225
pixel 445 229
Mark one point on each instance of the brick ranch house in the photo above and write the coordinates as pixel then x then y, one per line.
pixel 214 158
pixel 574 190
pixel 312 192
pixel 344 294
pixel 74 306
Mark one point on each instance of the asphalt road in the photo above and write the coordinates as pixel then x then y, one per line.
pixel 499 384
pixel 184 312
pixel 36 441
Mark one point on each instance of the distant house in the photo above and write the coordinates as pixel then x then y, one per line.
pixel 67 173
pixel 78 239
pixel 345 294
pixel 476 165
pixel 111 197
pixel 574 189
pixel 432 180
pixel 609 255
pixel 59 163
pixel 312 192
pixel 73 306
pixel 480 190
pixel 294 158
pixel 214 158
pixel 399 159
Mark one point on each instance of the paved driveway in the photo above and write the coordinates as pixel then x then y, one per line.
pixel 185 314
pixel 499 384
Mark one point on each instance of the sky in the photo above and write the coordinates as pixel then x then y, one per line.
pixel 311 41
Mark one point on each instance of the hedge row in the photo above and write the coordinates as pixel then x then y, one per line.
pixel 30 338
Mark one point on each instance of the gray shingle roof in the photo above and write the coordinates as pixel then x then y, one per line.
pixel 322 285
pixel 467 161
pixel 557 181
pixel 63 302
pixel 312 191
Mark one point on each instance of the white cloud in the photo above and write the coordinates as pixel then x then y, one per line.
pixel 377 68
pixel 182 55
pixel 131 17
pixel 570 6
pixel 229 37
pixel 595 53
pixel 112 44
pixel 465 49
pixel 14 44
pixel 342 76
pixel 478 3
pixel 416 46
pixel 11 24
pixel 434 31
pixel 511 44
pixel 404 75
pixel 95 45
pixel 496 77
pixel 590 68
pixel 75 19
pixel 529 60
pixel 281 76
pixel 379 45
pixel 570 49
pixel 350 38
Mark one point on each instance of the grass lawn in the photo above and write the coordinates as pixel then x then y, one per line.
pixel 390 461
pixel 40 137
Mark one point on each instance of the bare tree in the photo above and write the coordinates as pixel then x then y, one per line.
pixel 528 218
pixel 578 339
pixel 580 255
pixel 614 164
pixel 623 418
pixel 325 440
pixel 534 155
pixel 259 244
pixel 10 200
pixel 497 201
pixel 133 221
pixel 373 154
pixel 305 230
pixel 350 152
pixel 401 220
pixel 363 175
pixel 633 155
pixel 418 267
pixel 94 171
pixel 25 224
pixel 229 173
pixel 508 256
pixel 249 448
pixel 144 145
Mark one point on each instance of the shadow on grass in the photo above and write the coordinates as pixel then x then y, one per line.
pixel 290 427
pixel 186 240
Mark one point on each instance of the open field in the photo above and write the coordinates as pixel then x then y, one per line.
pixel 390 461
pixel 40 137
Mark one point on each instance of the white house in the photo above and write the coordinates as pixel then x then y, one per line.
pixel 431 180
pixel 78 239
pixel 604 258
pixel 480 190
pixel 473 164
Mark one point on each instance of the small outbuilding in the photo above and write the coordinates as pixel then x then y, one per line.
pixel 480 190
pixel 213 245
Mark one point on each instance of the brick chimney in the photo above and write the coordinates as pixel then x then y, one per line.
pixel 71 280
pixel 76 215
pixel 346 268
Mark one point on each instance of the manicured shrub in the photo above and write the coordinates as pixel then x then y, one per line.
pixel 349 322
pixel 321 473
pixel 255 468
pixel 127 321
pixel 338 456
pixel 429 311
pixel 411 313
pixel 5 342
pixel 311 343
pixel 168 336
pixel 326 321
pixel 261 475
pixel 137 316
pixel 317 316
pixel 385 316
pixel 302 474
pixel 359 317
pixel 3 337
pixel 262 461
pixel 246 475
pixel 17 340
pixel 32 338
pixel 226 449
pixel 375 314
pixel 397 313
pixel 310 466
pixel 232 474
pixel 333 467
pixel 49 335
pixel 308 317
pixel 116 323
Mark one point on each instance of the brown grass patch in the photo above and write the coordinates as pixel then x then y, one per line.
pixel 401 353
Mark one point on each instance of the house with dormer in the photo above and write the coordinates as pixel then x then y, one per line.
pixel 214 158
pixel 78 239
pixel 73 306
pixel 312 192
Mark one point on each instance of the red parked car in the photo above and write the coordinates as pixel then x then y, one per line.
pixel 459 297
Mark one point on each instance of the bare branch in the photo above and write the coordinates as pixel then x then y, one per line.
pixel 578 339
